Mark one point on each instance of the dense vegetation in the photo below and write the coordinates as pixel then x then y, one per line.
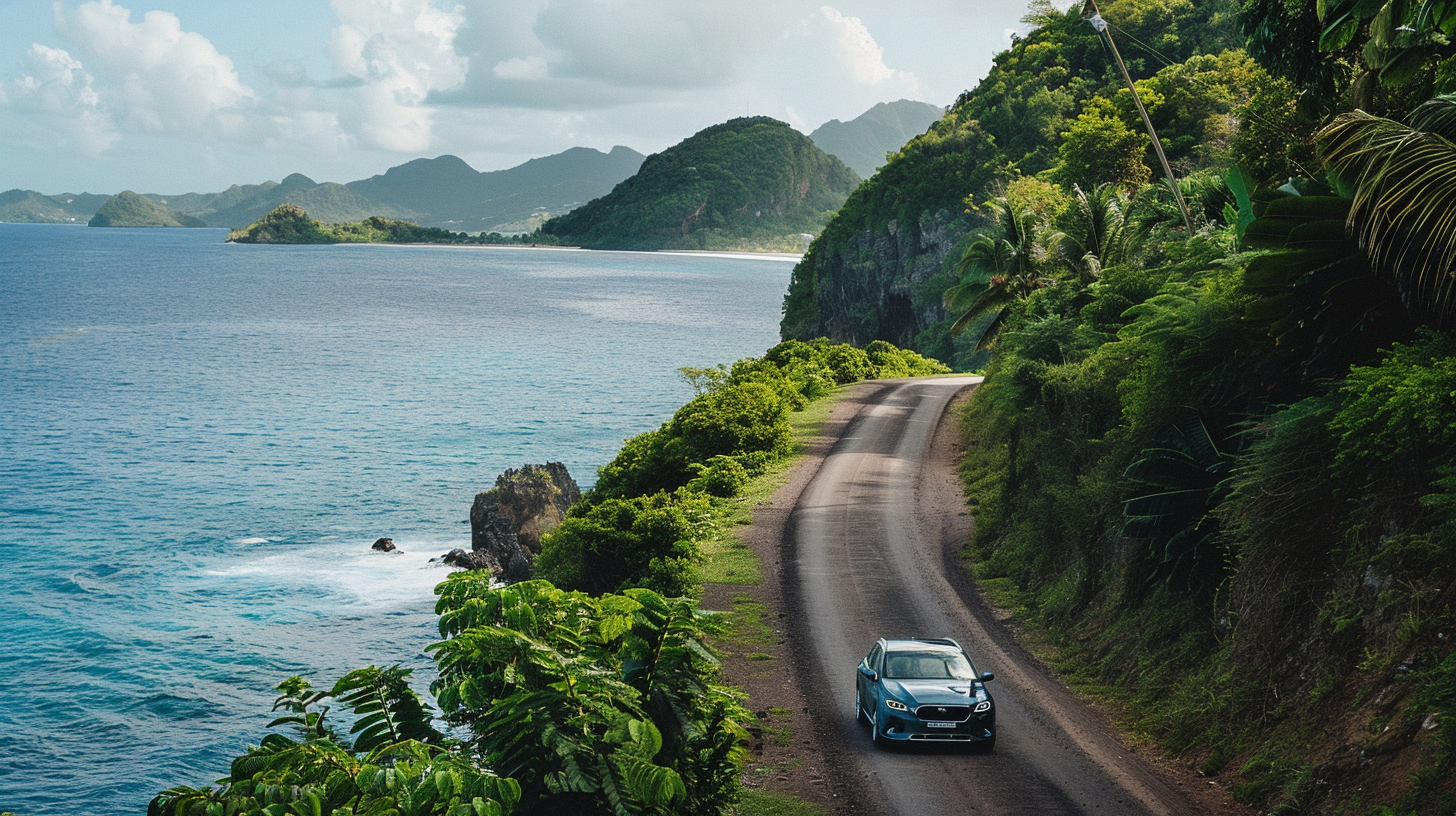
pixel 597 694
pixel 752 183
pixel 1051 106
pixel 127 209
pixel 288 224
pixel 1213 470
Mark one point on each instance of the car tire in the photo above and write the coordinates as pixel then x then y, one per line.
pixel 876 738
pixel 859 712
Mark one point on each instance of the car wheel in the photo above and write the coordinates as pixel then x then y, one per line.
pixel 876 737
pixel 859 712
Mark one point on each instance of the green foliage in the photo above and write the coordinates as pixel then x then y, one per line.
pixel 612 544
pixel 748 183
pixel 603 705
pixel 384 772
pixel 1098 147
pixel 722 476
pixel 289 224
pixel 286 224
pixel 1404 207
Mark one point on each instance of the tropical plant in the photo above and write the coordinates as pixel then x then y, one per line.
pixel 1098 231
pixel 1183 471
pixel 597 705
pixel 394 767
pixel 1404 207
pixel 998 270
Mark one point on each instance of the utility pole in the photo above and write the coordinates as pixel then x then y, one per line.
pixel 1093 16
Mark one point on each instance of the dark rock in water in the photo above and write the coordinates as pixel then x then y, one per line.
pixel 384 545
pixel 506 522
pixel 471 559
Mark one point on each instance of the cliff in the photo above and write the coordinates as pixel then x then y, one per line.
pixel 506 522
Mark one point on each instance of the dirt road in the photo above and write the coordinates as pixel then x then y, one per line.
pixel 870 553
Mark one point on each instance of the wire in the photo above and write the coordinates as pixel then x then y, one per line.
pixel 1167 62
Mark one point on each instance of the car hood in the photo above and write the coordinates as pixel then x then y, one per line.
pixel 935 692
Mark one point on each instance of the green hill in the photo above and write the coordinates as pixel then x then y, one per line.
pixel 750 184
pixel 30 207
pixel 127 209
pixel 864 141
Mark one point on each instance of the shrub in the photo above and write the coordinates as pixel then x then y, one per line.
pixel 723 477
pixel 646 541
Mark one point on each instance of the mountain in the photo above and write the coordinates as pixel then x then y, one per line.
pixel 240 206
pixel 127 209
pixel 447 192
pixel 440 192
pixel 865 141
pixel 30 207
pixel 752 183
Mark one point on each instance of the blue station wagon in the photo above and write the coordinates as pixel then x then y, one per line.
pixel 924 689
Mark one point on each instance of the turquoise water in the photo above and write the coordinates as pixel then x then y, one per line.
pixel 199 442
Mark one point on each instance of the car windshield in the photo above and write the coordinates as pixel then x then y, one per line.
pixel 927 666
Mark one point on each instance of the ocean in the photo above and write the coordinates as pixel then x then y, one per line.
pixel 199 442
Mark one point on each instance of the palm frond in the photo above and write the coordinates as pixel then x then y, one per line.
pixel 1404 209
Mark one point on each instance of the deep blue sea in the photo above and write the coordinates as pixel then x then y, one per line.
pixel 199 442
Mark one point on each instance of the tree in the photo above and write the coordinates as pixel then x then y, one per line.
pixel 1404 207
pixel 997 271
pixel 1099 147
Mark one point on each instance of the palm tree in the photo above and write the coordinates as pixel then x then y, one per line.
pixel 1099 231
pixel 1404 208
pixel 997 271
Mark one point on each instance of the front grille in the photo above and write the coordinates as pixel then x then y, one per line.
pixel 952 713
pixel 951 737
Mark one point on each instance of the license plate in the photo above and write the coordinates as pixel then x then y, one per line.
pixel 941 724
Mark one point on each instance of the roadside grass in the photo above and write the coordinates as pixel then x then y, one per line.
pixel 725 559
pixel 769 803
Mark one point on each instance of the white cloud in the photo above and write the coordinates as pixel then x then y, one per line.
pixel 402 51
pixel 56 94
pixel 154 76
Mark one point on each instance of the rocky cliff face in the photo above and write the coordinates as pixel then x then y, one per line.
pixel 872 286
pixel 879 269
pixel 507 521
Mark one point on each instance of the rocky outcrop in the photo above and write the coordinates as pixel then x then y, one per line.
pixel 507 521
pixel 870 287
pixel 384 545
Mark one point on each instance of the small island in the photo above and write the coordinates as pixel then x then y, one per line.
pixel 128 209
pixel 289 224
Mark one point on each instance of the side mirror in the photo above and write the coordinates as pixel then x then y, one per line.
pixel 987 677
pixel 868 672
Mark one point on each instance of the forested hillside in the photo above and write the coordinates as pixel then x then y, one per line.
pixel 1210 467
pixel 1051 104
pixel 752 183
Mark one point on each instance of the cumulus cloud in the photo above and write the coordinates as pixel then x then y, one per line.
pixel 54 90
pixel 400 51
pixel 156 77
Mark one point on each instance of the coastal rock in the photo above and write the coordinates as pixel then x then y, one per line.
pixel 507 521
pixel 470 559
pixel 384 545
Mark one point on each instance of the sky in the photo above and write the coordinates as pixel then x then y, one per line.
pixel 174 96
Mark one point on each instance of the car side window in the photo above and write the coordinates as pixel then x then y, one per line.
pixel 874 658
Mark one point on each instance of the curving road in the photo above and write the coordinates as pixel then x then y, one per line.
pixel 870 552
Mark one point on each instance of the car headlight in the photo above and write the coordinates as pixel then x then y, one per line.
pixel 896 705
pixel 984 705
